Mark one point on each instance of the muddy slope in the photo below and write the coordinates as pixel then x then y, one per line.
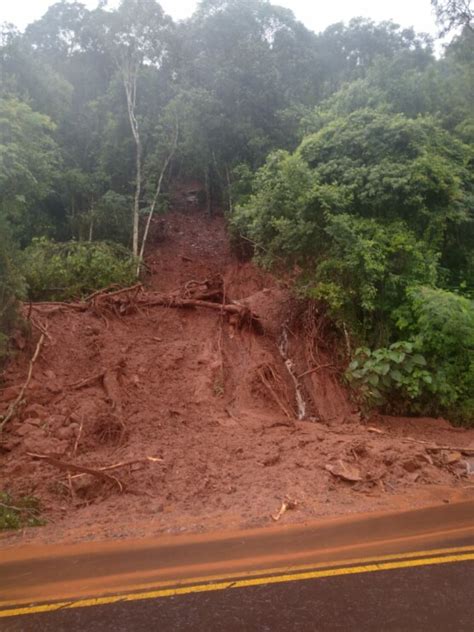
pixel 211 422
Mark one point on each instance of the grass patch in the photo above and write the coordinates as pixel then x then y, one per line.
pixel 18 512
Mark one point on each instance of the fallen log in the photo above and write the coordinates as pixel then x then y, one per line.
pixel 120 300
pixel 244 314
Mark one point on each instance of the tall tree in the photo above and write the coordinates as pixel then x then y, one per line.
pixel 137 38
pixel 452 14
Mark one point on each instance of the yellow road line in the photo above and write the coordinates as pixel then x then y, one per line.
pixel 243 583
pixel 260 572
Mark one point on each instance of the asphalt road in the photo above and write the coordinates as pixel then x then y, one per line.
pixel 410 571
pixel 431 598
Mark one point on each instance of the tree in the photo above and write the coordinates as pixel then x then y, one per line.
pixel 452 14
pixel 29 163
pixel 137 38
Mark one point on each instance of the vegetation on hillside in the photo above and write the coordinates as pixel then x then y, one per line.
pixel 347 153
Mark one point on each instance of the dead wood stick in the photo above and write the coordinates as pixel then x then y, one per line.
pixel 82 307
pixel 171 301
pixel 80 469
pixel 14 405
pixel 78 438
pixel 150 459
pixel 285 506
pixel 116 466
pixel 244 313
pixel 437 448
pixel 87 380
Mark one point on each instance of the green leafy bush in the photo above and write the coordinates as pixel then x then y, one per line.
pixel 433 372
pixel 370 206
pixel 366 271
pixel 393 377
pixel 59 271
pixel 19 512
pixel 441 325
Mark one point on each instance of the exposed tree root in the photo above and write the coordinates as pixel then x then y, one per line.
pixel 129 300
pixel 267 376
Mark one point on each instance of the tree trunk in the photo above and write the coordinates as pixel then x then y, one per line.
pixel 129 76
pixel 136 201
pixel 155 197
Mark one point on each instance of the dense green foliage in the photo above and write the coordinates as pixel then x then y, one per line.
pixel 11 287
pixel 58 271
pixel 392 376
pixel 376 207
pixel 346 153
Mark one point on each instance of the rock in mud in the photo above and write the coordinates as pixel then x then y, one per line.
pixel 344 470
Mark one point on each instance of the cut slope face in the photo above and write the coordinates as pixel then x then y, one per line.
pixel 198 409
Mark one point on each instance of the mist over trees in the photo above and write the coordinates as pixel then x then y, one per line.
pixel 347 153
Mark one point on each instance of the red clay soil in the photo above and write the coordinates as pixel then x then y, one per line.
pixel 203 403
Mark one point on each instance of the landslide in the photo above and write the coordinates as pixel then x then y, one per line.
pixel 208 398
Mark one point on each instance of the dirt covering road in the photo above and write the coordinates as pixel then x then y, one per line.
pixel 207 399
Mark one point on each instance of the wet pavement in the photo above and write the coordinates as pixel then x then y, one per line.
pixel 405 571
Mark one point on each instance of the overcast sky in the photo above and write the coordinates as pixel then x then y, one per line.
pixel 316 14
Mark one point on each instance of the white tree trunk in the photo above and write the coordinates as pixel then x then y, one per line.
pixel 155 197
pixel 129 75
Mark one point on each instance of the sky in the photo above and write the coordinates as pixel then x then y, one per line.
pixel 315 14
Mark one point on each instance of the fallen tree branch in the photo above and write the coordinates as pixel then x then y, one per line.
pixel 79 469
pixel 118 303
pixel 81 307
pixel 87 381
pixel 438 448
pixel 14 405
pixel 245 315
pixel 147 459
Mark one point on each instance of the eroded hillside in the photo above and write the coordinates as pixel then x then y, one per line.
pixel 203 400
